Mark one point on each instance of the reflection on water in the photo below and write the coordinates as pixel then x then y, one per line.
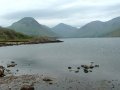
pixel 56 57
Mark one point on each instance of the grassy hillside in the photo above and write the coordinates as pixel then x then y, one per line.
pixel 115 33
pixel 9 37
pixel 8 34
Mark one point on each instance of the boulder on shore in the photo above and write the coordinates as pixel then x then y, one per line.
pixel 1 71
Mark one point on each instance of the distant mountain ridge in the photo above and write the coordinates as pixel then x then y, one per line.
pixel 64 30
pixel 98 28
pixel 30 26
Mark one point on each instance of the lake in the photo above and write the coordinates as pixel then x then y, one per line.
pixel 55 58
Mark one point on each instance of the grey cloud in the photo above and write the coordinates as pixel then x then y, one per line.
pixel 32 13
pixel 87 12
pixel 112 11
pixel 48 13
pixel 113 7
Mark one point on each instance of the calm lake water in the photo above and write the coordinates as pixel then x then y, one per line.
pixel 54 58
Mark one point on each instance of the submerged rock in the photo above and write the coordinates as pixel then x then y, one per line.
pixel 47 79
pixel 96 65
pixel 78 67
pixel 86 71
pixel 12 64
pixel 77 71
pixel 69 67
pixel 86 68
pixel 91 67
pixel 27 87
pixel 12 61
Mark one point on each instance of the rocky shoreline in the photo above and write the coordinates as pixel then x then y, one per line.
pixel 46 82
pixel 9 81
pixel 50 82
pixel 24 82
pixel 11 43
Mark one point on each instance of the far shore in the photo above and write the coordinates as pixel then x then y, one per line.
pixel 25 42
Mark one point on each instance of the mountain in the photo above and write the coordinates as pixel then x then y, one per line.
pixel 98 28
pixel 64 30
pixel 30 26
pixel 8 34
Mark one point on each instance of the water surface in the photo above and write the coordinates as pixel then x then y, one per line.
pixel 54 58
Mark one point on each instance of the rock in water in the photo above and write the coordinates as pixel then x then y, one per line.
pixel 27 87
pixel 78 67
pixel 11 65
pixel 69 67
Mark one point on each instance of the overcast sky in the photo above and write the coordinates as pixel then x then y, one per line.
pixel 52 12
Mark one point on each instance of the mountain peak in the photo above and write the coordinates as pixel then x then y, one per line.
pixel 64 25
pixel 30 26
pixel 61 24
pixel 64 30
pixel 27 19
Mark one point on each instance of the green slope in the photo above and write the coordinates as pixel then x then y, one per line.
pixel 115 33
pixel 8 34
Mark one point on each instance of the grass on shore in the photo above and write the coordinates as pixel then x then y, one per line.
pixel 8 35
